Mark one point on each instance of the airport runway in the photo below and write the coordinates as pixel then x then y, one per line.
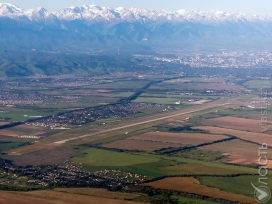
pixel 141 123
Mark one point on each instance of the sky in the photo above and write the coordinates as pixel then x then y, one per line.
pixel 259 7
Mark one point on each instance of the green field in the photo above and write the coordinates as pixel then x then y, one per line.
pixel 133 84
pixel 98 157
pixel 152 165
pixel 157 100
pixel 258 84
pixel 238 185
pixel 14 143
pixel 184 200
pixel 17 114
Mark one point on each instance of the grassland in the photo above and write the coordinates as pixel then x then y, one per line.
pixel 238 185
pixel 191 86
pixel 16 114
pixel 198 169
pixel 258 84
pixel 152 165
pixel 121 85
pixel 184 200
pixel 201 154
pixel 191 185
pixel 99 157
pixel 156 100
pixel 103 193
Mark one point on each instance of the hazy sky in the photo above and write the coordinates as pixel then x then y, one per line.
pixel 261 7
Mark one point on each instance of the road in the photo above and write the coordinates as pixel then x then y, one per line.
pixel 141 123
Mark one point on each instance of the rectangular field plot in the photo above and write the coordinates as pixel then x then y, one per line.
pixel 8 198
pixel 130 144
pixel 259 138
pixel 198 86
pixel 178 138
pixel 236 123
pixel 43 157
pixel 237 147
pixel 192 185
pixel 103 193
pixel 98 157
pixel 241 160
pixel 56 197
pixel 10 133
pixel 229 184
pixel 187 168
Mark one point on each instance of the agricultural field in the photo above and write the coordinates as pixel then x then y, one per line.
pixel 10 114
pixel 236 147
pixel 105 158
pixel 258 84
pixel 121 85
pixel 198 169
pixel 201 154
pixel 170 101
pixel 43 157
pixel 103 193
pixel 151 165
pixel 62 196
pixel 236 123
pixel 238 152
pixel 132 144
pixel 9 143
pixel 242 160
pixel 178 138
pixel 185 200
pixel 191 185
pixel 198 86
pixel 9 133
pixel 151 141
pixel 259 138
pixel 230 184
pixel 9 197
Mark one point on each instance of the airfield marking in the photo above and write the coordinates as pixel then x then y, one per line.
pixel 135 124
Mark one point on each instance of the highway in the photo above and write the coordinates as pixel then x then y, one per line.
pixel 141 123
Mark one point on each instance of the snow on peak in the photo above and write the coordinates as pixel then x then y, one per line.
pixel 96 13
pixel 10 10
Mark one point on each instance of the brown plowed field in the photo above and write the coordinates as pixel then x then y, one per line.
pixel 43 157
pixel 237 147
pixel 236 123
pixel 191 185
pixel 10 133
pixel 242 160
pixel 131 144
pixel 259 138
pixel 178 138
pixel 9 198
pixel 55 197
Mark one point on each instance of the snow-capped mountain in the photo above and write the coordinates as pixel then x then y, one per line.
pixel 91 25
pixel 93 12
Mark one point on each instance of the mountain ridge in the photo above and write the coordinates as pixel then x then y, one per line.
pixel 91 26
pixel 87 12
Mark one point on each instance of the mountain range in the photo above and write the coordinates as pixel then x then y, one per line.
pixel 90 26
